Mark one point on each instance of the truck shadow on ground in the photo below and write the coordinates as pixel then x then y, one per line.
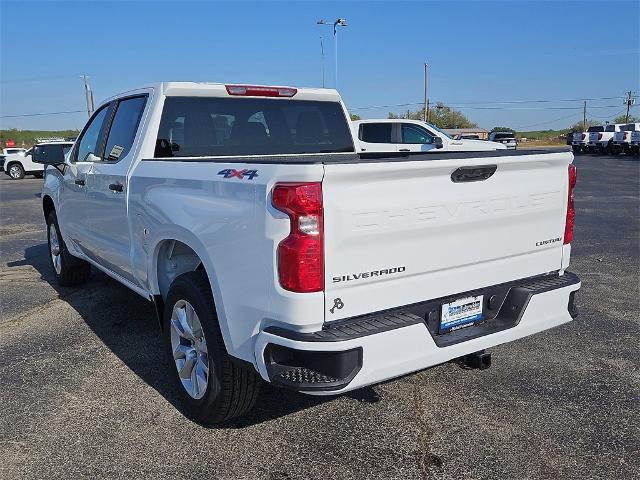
pixel 126 323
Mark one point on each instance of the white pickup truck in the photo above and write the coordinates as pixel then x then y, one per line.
pixel 635 142
pixel 404 135
pixel 600 142
pixel 622 139
pixel 272 250
pixel 18 165
pixel 580 141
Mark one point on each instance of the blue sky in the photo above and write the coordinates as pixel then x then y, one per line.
pixel 479 53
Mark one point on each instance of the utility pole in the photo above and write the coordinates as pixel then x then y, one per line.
pixel 426 101
pixel 340 22
pixel 629 102
pixel 584 117
pixel 322 59
pixel 88 93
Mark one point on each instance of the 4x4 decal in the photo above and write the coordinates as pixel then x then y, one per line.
pixel 240 174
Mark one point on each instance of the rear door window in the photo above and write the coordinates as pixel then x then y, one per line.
pixel 124 127
pixel 376 132
pixel 197 126
pixel 610 128
pixel 596 129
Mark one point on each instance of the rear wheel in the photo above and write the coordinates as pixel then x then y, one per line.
pixel 69 270
pixel 576 149
pixel 215 388
pixel 16 172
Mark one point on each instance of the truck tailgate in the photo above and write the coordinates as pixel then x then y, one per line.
pixel 401 232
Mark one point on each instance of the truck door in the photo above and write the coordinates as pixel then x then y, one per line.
pixel 376 137
pixel 415 138
pixel 107 231
pixel 72 195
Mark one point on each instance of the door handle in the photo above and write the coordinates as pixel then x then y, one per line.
pixel 473 174
pixel 79 182
pixel 116 187
pixel 404 150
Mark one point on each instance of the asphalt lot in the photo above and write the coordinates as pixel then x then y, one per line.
pixel 83 392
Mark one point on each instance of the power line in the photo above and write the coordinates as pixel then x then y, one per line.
pixel 505 102
pixel 546 122
pixel 41 114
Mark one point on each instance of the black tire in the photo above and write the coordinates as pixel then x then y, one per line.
pixel 576 149
pixel 232 388
pixel 73 270
pixel 15 171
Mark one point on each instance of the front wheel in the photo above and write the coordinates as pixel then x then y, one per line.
pixel 16 172
pixel 215 388
pixel 69 270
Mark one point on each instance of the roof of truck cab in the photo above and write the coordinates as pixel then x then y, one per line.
pixel 207 89
pixel 212 89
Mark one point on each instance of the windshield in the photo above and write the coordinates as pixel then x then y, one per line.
pixel 197 126
pixel 441 131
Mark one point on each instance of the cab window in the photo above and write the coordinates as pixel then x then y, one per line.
pixel 124 127
pixel 90 139
pixel 415 134
pixel 376 132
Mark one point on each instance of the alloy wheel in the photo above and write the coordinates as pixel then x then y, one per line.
pixel 189 348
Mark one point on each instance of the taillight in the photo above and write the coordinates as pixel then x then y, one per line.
pixel 571 211
pixel 624 135
pixel 301 254
pixel 259 91
pixel 584 135
pixel 599 136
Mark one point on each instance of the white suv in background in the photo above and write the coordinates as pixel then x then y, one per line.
pixel 20 164
pixel 508 139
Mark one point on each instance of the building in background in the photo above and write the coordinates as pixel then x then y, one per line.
pixel 480 132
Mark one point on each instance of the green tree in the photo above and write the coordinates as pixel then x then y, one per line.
pixel 622 119
pixel 579 126
pixel 355 116
pixel 441 116
pixel 503 129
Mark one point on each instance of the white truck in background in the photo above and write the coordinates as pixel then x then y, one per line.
pixel 601 141
pixel 274 251
pixel 622 139
pixel 18 165
pixel 635 142
pixel 581 139
pixel 410 136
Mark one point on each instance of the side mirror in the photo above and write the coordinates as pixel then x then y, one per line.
pixel 47 154
pixel 437 141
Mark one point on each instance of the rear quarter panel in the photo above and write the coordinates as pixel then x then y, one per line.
pixel 231 225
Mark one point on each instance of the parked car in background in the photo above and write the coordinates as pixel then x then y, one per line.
pixel 635 142
pixel 600 142
pixel 20 164
pixel 9 151
pixel 274 251
pixel 403 135
pixel 581 139
pixel 622 139
pixel 508 139
pixel 13 150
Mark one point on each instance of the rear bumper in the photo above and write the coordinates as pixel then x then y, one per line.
pixel 374 348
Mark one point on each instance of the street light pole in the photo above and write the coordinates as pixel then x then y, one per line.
pixel 340 22
pixel 426 104
pixel 88 93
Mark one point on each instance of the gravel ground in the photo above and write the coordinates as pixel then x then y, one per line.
pixel 84 392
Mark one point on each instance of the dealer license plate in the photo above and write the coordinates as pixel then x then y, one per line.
pixel 460 313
